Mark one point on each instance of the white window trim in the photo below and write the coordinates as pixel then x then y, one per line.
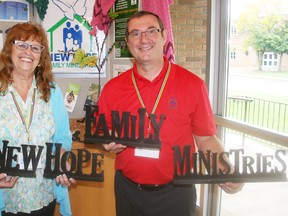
pixel 273 60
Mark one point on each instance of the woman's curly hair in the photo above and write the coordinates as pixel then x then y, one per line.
pixel 43 72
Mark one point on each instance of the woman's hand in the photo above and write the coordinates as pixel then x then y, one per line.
pixel 63 179
pixel 7 181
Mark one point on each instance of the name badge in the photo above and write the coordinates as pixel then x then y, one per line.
pixel 146 152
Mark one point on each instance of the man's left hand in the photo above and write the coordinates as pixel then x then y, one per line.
pixel 231 188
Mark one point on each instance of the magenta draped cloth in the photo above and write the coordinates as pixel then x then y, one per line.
pixel 101 18
pixel 161 8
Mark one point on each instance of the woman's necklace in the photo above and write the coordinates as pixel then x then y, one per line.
pixel 26 124
pixel 158 96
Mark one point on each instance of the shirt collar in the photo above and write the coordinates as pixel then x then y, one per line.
pixel 159 77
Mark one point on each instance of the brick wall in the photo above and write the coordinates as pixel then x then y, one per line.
pixel 189 26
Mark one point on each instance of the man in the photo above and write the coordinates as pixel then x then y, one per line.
pixel 143 180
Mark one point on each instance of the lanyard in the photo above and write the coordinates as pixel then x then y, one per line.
pixel 159 93
pixel 27 126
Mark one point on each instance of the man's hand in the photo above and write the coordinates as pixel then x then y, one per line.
pixel 113 147
pixel 7 181
pixel 212 143
pixel 231 188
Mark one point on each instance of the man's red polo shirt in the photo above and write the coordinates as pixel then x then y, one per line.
pixel 185 104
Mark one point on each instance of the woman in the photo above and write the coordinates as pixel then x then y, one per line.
pixel 32 112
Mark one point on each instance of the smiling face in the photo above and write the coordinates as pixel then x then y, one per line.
pixel 147 48
pixel 25 61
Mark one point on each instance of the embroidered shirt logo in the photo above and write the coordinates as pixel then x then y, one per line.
pixel 172 103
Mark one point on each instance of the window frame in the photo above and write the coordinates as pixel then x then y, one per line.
pixel 218 55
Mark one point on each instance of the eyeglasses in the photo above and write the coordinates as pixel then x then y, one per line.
pixel 21 45
pixel 150 33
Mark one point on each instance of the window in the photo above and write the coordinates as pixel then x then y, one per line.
pixel 233 54
pixel 270 59
pixel 250 104
pixel 233 30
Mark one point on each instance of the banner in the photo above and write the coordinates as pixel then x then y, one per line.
pixel 68 28
pixel 124 9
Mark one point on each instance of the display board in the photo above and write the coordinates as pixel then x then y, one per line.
pixel 16 11
pixel 124 9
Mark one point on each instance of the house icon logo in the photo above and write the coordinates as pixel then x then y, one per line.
pixel 65 37
pixel 71 35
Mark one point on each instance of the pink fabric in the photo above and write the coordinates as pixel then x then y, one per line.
pixel 101 18
pixel 161 8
